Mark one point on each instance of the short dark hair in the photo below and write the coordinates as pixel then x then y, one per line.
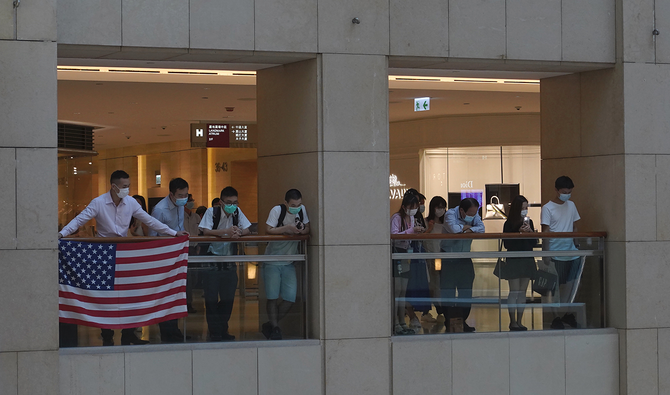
pixel 177 183
pixel 215 201
pixel 117 175
pixel 292 194
pixel 564 182
pixel 201 210
pixel 228 192
pixel 467 203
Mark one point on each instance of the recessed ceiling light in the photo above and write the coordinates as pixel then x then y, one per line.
pixel 98 83
pixel 111 112
pixel 465 104
pixel 205 97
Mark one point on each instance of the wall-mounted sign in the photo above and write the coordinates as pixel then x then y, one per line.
pixel 466 185
pixel 422 104
pixel 397 190
pixel 210 135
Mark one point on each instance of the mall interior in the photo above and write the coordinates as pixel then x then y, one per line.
pixel 322 97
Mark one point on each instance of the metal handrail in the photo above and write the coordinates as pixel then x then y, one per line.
pixel 193 239
pixel 475 236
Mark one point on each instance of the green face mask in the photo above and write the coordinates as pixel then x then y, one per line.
pixel 229 208
pixel 294 210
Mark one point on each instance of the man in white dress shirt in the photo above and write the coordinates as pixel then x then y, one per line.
pixel 112 212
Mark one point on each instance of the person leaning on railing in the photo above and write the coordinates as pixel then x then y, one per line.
pixel 280 278
pixel 458 274
pixel 112 212
pixel 224 220
pixel 560 215
pixel 435 225
pixel 517 271
pixel 402 222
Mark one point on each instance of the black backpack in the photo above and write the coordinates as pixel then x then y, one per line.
pixel 216 219
pixel 282 215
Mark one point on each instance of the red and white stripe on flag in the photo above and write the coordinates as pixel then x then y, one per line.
pixel 149 283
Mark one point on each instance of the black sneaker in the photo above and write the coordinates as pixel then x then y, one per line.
pixel 570 320
pixel 266 329
pixel 276 334
pixel 468 328
pixel 557 324
pixel 226 337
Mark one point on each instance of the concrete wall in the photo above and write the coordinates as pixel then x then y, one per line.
pixel 439 33
pixel 250 368
pixel 29 340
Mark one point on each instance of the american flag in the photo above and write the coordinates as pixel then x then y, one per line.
pixel 124 285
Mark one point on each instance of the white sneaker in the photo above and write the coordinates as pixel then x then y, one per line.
pixel 415 325
pixel 428 318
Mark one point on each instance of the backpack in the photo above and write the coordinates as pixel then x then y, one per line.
pixel 216 219
pixel 282 215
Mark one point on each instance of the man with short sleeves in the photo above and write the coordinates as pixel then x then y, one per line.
pixel 560 215
pixel 112 212
pixel 280 279
pixel 458 274
pixel 170 211
pixel 219 282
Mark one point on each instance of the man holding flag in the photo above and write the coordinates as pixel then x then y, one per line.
pixel 112 212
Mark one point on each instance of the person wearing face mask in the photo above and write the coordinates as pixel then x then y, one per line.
pixel 170 211
pixel 560 215
pixel 418 283
pixel 402 222
pixel 219 280
pixel 517 271
pixel 191 222
pixel 280 278
pixel 458 274
pixel 434 221
pixel 113 212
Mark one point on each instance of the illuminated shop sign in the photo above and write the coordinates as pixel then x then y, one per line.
pixel 397 190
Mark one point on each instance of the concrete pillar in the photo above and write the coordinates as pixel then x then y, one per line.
pixel 29 311
pixel 323 128
pixel 609 131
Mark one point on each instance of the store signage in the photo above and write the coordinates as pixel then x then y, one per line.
pixel 397 190
pixel 422 104
pixel 466 185
pixel 210 135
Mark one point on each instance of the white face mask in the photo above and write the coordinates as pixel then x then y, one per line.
pixel 123 192
pixel 565 196
pixel 439 212
pixel 411 212
pixel 524 213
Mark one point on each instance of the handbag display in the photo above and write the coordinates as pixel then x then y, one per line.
pixel 545 282
pixel 495 210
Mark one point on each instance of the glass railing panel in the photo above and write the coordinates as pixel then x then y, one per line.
pixel 227 285
pixel 494 282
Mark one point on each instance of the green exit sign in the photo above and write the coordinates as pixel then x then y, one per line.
pixel 422 104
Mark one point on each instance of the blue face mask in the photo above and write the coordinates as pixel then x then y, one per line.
pixel 468 219
pixel 229 208
pixel 565 196
pixel 181 202
pixel 294 210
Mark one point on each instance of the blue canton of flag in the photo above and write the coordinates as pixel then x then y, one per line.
pixel 87 265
